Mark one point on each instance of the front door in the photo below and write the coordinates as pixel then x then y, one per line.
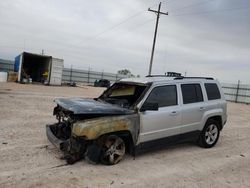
pixel 166 120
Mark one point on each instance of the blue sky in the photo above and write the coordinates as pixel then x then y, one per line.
pixel 199 37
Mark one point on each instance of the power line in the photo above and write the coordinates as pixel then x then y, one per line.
pixel 211 11
pixel 114 26
pixel 111 28
pixel 131 30
pixel 192 5
pixel 138 26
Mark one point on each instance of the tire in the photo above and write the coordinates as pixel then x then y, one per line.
pixel 210 134
pixel 93 153
pixel 113 150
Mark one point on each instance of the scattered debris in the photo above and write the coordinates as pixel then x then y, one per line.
pixel 43 146
pixel 5 143
pixel 112 182
pixel 59 165
pixel 242 155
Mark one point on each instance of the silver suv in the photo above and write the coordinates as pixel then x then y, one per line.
pixel 135 115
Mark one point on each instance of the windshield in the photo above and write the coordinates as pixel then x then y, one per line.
pixel 123 94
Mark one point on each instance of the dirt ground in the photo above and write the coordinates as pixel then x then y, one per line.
pixel 27 159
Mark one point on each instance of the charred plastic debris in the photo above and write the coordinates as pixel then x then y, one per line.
pixel 100 129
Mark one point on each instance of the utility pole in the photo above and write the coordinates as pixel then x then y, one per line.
pixel 158 13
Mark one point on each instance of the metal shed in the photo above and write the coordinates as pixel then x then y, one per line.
pixel 39 68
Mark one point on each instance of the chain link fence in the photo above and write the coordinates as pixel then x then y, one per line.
pixel 239 93
pixel 72 75
pixel 88 76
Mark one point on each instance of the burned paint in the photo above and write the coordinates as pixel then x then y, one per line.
pixel 93 128
pixel 90 106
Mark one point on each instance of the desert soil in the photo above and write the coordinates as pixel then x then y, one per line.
pixel 27 159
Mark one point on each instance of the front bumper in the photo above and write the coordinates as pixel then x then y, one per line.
pixel 73 148
pixel 63 145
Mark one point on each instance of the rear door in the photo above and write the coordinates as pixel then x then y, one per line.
pixel 166 120
pixel 193 107
pixel 56 71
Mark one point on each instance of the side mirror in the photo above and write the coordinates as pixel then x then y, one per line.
pixel 149 106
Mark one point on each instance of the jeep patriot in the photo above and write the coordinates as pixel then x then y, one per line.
pixel 138 114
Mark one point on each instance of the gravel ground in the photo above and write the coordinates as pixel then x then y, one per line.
pixel 29 160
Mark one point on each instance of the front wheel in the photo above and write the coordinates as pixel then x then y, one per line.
pixel 210 134
pixel 113 150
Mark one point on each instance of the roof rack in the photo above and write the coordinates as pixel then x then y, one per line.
pixel 182 77
pixel 167 74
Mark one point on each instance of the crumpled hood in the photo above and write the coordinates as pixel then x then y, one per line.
pixel 91 106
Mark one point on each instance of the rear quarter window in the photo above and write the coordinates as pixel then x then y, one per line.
pixel 213 91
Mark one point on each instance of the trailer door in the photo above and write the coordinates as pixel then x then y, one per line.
pixel 56 71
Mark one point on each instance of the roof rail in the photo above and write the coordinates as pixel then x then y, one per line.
pixel 182 77
pixel 157 75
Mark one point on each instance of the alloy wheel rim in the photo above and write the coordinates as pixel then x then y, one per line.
pixel 115 150
pixel 211 134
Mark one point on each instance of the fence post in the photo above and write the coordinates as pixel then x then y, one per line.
pixel 70 78
pixel 116 77
pixel 88 74
pixel 237 91
pixel 102 74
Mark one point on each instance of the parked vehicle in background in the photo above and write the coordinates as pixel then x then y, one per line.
pixel 102 83
pixel 136 114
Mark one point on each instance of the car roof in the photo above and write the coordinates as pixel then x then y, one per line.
pixel 165 79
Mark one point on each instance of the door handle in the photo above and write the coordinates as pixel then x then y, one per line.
pixel 202 108
pixel 173 113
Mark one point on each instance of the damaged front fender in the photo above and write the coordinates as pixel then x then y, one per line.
pixel 91 129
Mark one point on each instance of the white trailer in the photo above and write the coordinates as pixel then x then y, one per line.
pixel 39 68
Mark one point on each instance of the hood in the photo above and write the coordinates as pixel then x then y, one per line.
pixel 91 106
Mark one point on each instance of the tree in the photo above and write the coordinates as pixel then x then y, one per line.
pixel 125 72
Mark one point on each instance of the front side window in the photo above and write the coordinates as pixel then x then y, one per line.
pixel 212 91
pixel 191 93
pixel 163 95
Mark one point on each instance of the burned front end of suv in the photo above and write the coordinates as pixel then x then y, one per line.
pixel 81 121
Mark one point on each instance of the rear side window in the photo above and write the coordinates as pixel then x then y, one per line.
pixel 212 91
pixel 163 95
pixel 191 93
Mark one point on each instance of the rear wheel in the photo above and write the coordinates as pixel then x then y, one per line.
pixel 210 134
pixel 113 150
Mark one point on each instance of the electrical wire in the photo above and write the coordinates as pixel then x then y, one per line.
pixel 211 11
pixel 114 26
pixel 111 28
pixel 77 50
pixel 192 5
